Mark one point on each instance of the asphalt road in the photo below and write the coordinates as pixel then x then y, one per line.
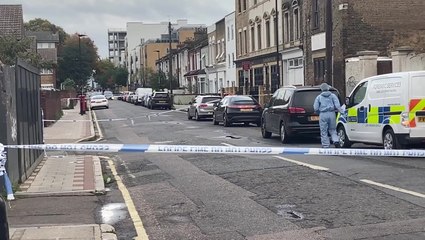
pixel 200 196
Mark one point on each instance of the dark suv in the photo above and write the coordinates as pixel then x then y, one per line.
pixel 160 100
pixel 290 112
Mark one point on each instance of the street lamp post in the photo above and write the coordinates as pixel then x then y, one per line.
pixel 159 76
pixel 82 99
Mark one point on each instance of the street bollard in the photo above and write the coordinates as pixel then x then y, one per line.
pixel 4 225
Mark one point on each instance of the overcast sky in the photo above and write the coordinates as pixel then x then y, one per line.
pixel 94 17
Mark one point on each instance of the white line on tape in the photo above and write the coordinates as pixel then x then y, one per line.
pixel 393 188
pixel 304 164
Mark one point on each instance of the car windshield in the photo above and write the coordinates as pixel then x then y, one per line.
pixel 306 98
pixel 242 100
pixel 161 95
pixel 108 93
pixel 210 99
pixel 98 97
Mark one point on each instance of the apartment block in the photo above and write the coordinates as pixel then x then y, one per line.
pixel 116 45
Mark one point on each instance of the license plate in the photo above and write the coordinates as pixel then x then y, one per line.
pixel 246 110
pixel 314 118
pixel 421 119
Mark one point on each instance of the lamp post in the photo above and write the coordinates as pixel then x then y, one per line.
pixel 277 45
pixel 170 64
pixel 82 99
pixel 159 76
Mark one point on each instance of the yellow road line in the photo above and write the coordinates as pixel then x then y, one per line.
pixel 393 188
pixel 137 221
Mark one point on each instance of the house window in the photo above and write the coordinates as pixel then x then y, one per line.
pixel 259 36
pixel 319 69
pixel 244 5
pixel 240 43
pixel 232 32
pixel 45 71
pixel 252 39
pixel 316 14
pixel 245 34
pixel 286 28
pixel 267 34
pixel 275 30
pixel 255 2
pixel 45 45
pixel 228 33
pixel 240 5
pixel 297 27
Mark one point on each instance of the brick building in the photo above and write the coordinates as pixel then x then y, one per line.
pixel 359 25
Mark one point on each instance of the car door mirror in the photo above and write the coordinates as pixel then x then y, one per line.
pixel 266 105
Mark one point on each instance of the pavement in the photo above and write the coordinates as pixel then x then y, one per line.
pixel 60 175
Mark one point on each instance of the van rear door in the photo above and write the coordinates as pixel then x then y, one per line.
pixel 417 104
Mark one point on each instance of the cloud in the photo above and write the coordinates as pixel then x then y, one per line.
pixel 94 17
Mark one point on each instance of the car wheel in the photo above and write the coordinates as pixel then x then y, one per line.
pixel 188 115
pixel 226 122
pixel 344 142
pixel 389 140
pixel 197 116
pixel 214 120
pixel 283 134
pixel 264 132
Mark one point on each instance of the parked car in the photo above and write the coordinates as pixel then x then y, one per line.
pixel 202 107
pixel 237 109
pixel 109 95
pixel 98 101
pixel 128 97
pixel 139 95
pixel 290 112
pixel 160 100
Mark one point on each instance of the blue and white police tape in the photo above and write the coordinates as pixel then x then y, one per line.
pixel 151 148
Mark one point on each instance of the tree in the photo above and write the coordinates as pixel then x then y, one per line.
pixel 12 48
pixel 108 76
pixel 121 76
pixel 77 60
pixel 39 24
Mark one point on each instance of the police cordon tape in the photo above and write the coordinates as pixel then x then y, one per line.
pixel 152 148
pixel 115 119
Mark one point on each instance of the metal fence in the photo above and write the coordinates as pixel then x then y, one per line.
pixel 20 117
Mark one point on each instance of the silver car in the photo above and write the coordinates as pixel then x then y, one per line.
pixel 202 107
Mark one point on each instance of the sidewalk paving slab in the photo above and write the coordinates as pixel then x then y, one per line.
pixel 60 174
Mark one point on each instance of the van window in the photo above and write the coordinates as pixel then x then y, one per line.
pixel 359 94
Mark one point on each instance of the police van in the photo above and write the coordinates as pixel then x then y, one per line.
pixel 386 110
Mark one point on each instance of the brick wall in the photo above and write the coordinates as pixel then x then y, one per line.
pixel 378 25
pixel 51 105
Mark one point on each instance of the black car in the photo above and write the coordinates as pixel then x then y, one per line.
pixel 290 112
pixel 160 100
pixel 237 109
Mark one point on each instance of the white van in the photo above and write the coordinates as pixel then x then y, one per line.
pixel 140 93
pixel 386 110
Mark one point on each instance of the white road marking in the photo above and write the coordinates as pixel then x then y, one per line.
pixel 227 144
pixel 303 164
pixel 393 188
pixel 164 142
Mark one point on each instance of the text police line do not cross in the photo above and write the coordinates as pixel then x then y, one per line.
pixel 200 149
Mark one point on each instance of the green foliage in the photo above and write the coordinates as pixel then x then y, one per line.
pixel 109 76
pixel 39 24
pixel 77 60
pixel 69 84
pixel 12 48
